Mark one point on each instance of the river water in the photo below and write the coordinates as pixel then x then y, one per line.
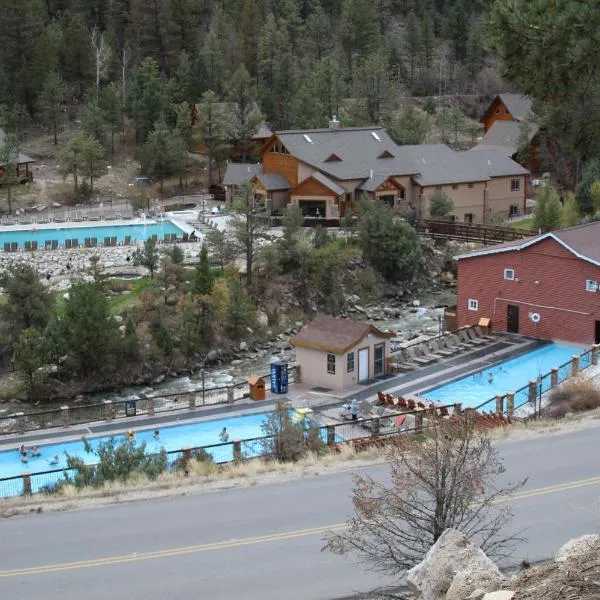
pixel 411 321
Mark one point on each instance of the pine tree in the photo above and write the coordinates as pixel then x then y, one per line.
pixel 9 164
pixel 93 123
pixel 148 256
pixel 318 33
pixel 358 31
pixel 50 102
pixel 245 116
pixel 110 101
pixel 412 43
pixel 374 86
pixel 145 98
pixel 570 212
pixel 547 212
pixel 203 277
pixel 427 40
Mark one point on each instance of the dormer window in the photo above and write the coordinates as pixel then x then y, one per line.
pixel 278 148
pixel 386 154
pixel 333 158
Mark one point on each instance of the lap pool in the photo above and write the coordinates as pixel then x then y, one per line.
pixel 172 438
pixel 508 376
pixel 95 234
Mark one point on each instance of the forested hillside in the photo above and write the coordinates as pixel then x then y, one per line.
pixel 300 59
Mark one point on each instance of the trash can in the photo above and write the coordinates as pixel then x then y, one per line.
pixel 279 377
pixel 257 387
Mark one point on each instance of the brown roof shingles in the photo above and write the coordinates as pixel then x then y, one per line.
pixel 331 334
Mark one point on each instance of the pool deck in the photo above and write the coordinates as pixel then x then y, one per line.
pixel 300 396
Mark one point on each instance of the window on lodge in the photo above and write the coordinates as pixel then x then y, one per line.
pixel 350 362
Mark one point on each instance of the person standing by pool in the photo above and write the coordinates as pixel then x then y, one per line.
pixel 224 436
pixel 354 409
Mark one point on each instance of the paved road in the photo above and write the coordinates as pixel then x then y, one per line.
pixel 264 543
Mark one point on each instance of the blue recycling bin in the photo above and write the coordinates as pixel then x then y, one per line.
pixel 279 377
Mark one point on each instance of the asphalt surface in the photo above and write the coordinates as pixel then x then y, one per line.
pixel 264 542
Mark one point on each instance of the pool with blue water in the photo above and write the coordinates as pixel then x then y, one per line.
pixel 507 376
pixel 176 437
pixel 138 231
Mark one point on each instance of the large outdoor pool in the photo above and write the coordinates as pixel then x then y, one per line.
pixel 176 437
pixel 508 376
pixel 137 231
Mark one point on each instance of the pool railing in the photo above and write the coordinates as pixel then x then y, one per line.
pixel 359 432
pixel 533 391
pixel 147 406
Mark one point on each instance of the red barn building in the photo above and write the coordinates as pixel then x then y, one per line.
pixel 546 286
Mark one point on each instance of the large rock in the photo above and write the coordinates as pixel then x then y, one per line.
pixel 578 547
pixel 432 577
pixel 467 581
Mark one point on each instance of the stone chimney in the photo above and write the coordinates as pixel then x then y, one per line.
pixel 334 123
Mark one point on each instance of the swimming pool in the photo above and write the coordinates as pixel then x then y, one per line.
pixel 137 231
pixel 176 437
pixel 508 376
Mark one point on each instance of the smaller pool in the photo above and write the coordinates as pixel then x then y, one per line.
pixel 507 376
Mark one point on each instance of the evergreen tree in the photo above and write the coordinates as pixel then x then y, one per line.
pixel 83 157
pixel 145 98
pixel 211 130
pixel 110 101
pixel 590 173
pixel 147 256
pixel 163 153
pixel 29 355
pixel 390 245
pixel 412 43
pixel 245 119
pixel 91 333
pixel 241 312
pixel 440 206
pixel 358 31
pixel 318 33
pixel 203 277
pixel 427 36
pixel 375 86
pixel 28 303
pixel 410 127
pixel 50 102
pixel 9 161
pixel 547 212
pixel 22 61
pixel 93 123
pixel 570 212
pixel 214 53
pixel 76 60
pixel 220 247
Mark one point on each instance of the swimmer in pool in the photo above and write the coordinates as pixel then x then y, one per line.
pixel 156 434
pixel 490 377
pixel 224 436
pixel 54 460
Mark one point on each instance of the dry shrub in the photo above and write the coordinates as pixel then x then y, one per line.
pixel 576 395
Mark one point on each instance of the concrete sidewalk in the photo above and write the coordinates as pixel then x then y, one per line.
pixel 300 396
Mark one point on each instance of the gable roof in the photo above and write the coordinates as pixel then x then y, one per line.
pixel 504 136
pixel 581 240
pixel 357 147
pixel 438 164
pixel 495 163
pixel 337 189
pixel 240 173
pixel 371 184
pixel 331 334
pixel 273 181
pixel 518 105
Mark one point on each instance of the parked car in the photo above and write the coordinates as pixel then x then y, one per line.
pixel 218 191
pixel 143 181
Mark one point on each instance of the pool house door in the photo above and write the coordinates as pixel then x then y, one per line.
pixel 512 318
pixel 597 333
pixel 363 365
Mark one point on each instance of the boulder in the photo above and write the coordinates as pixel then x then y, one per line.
pixel 212 355
pixel 243 345
pixel 578 547
pixel 432 577
pixel 468 581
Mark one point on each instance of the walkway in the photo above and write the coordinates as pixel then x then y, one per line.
pixel 299 395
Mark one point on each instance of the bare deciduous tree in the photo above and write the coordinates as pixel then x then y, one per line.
pixel 101 55
pixel 446 481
